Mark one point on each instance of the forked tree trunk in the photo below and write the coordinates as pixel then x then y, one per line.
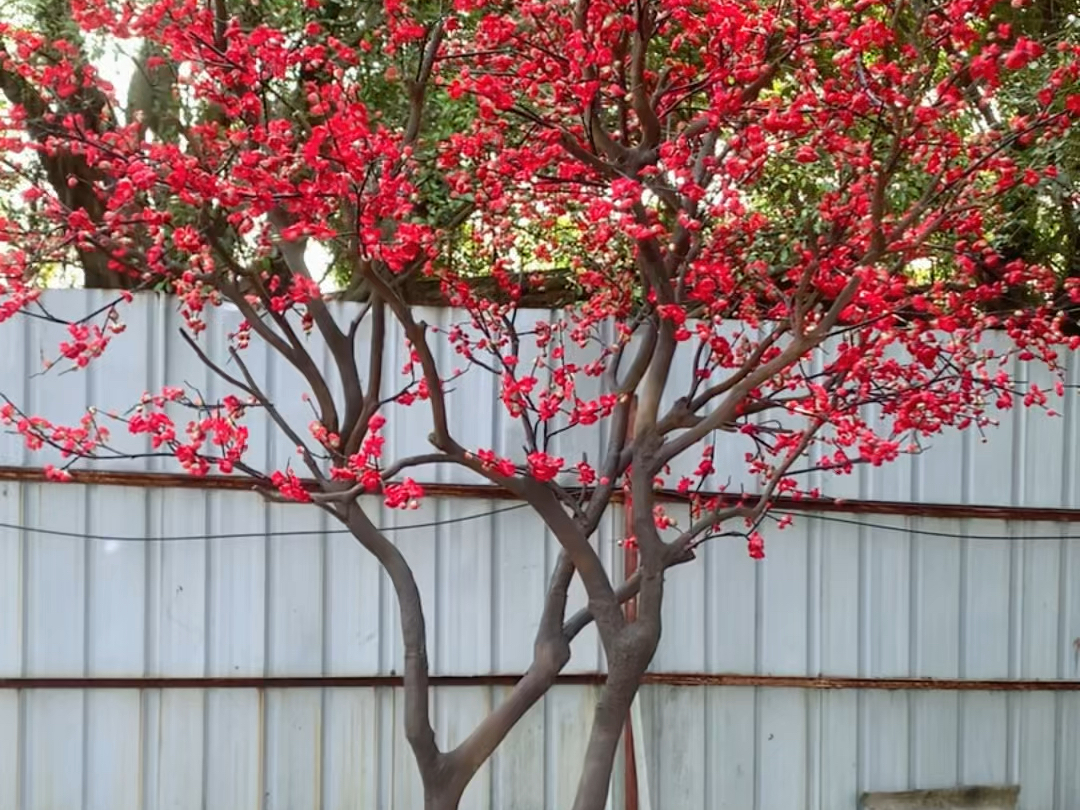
pixel 609 717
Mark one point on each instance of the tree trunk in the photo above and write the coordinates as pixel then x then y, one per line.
pixel 442 798
pixel 625 669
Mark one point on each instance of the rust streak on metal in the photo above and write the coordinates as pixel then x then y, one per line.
pixel 121 478
pixel 272 682
pixel 578 679
pixel 146 480
pixel 841 682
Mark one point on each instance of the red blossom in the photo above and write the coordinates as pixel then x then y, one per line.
pixel 586 474
pixel 56 474
pixel 755 546
pixel 404 495
pixel 543 467
pixel 290 486
pixel 490 461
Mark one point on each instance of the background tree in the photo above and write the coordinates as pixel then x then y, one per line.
pixel 796 200
pixel 1043 224
pixel 152 98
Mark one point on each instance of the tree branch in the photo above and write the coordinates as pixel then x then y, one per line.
pixel 584 557
pixel 650 124
pixel 418 87
pixel 418 729
pixel 683 542
pixel 551 653
pixel 293 351
pixel 279 420
pixel 727 412
pixel 342 349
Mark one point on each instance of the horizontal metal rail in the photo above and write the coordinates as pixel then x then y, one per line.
pixel 119 478
pixel 819 682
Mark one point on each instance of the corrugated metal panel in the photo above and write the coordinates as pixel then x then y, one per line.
pixel 839 598
pixel 871 597
pixel 1031 460
pixel 258 602
pixel 292 749
pixel 882 597
pixel 735 748
pixel 728 748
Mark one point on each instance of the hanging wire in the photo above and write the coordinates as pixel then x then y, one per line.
pixel 431 524
pixel 925 532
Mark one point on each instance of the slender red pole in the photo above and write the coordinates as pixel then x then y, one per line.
pixel 630 564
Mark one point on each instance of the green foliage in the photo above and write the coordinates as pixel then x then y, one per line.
pixel 1044 220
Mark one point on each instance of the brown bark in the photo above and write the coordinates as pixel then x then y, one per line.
pixel 632 649
pixel 551 652
pixel 441 800
pixel 418 730
pixel 626 666
pixel 446 775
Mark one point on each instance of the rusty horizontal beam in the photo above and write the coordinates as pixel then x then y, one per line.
pixel 826 682
pixel 236 483
pixel 821 682
pixel 125 478
pixel 120 478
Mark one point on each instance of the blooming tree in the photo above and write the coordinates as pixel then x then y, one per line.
pixel 795 201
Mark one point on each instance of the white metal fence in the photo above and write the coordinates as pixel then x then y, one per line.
pixel 189 583
pixel 732 748
pixel 100 582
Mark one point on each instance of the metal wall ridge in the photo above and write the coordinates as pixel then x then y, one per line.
pixel 853 506
pixel 685 679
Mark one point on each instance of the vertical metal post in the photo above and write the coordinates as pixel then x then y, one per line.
pixel 630 565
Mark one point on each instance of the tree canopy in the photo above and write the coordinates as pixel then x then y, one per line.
pixel 1042 226
pixel 815 207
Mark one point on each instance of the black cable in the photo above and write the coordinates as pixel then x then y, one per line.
pixel 928 532
pixel 246 535
pixel 436 523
